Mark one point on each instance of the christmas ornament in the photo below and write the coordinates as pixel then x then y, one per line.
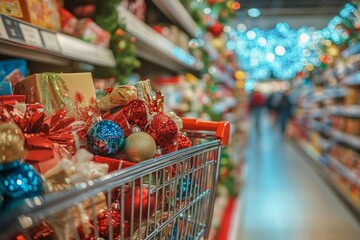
pixel 139 147
pixel 163 129
pixel 183 141
pixel 11 143
pixel 105 138
pixel 137 113
pixel 103 221
pixel 20 182
pixel 184 187
pixel 135 198
pixel 216 29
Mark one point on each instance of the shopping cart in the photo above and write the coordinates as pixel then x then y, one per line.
pixel 170 197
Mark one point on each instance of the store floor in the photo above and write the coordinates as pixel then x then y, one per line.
pixel 285 199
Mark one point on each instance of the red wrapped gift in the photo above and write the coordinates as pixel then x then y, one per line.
pixel 114 164
pixel 45 156
pixel 12 99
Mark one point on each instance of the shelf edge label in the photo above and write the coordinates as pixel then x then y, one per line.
pixel 12 28
pixel 50 40
pixel 2 30
pixel 31 35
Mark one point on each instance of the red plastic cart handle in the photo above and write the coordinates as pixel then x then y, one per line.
pixel 221 129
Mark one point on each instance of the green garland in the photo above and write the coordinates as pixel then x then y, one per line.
pixel 121 44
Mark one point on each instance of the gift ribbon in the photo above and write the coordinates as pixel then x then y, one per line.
pixel 54 83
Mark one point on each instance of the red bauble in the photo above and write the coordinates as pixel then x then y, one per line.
pixel 212 2
pixel 145 203
pixel 216 29
pixel 137 113
pixel 183 141
pixel 163 129
pixel 103 223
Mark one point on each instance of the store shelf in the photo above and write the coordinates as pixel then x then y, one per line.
pixel 317 113
pixel 309 150
pixel 343 171
pixel 323 161
pixel 345 138
pixel 351 51
pixel 176 12
pixel 21 39
pixel 154 47
pixel 353 79
pixel 345 111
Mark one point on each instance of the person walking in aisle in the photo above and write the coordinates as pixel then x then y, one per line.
pixel 256 104
pixel 284 110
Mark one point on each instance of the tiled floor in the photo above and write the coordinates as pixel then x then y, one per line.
pixel 284 198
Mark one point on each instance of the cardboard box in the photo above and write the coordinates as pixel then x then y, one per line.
pixel 44 13
pixel 45 89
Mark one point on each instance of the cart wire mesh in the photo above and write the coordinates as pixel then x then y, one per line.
pixel 169 197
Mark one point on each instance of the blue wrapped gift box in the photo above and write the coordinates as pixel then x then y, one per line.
pixel 5 88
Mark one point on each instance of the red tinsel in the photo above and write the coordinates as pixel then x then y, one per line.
pixel 41 131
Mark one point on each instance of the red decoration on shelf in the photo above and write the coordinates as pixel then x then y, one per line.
pixel 216 29
pixel 163 129
pixel 145 203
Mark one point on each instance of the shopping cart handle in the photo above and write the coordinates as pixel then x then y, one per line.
pixel 221 129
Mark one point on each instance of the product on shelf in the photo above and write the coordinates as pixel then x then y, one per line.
pixel 13 70
pixel 174 35
pixel 41 13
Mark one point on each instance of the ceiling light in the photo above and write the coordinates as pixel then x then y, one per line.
pixel 254 12
pixel 241 27
pixel 262 41
pixel 251 35
pixel 304 38
pixel 280 50
pixel 270 57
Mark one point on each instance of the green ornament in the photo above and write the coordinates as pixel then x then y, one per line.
pixel 122 45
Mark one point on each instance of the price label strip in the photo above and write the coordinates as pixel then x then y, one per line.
pixel 31 35
pixel 50 40
pixel 3 33
pixel 12 29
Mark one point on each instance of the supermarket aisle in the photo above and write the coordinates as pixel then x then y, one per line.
pixel 285 199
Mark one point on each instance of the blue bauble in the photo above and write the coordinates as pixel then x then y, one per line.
pixel 20 182
pixel 105 138
pixel 184 187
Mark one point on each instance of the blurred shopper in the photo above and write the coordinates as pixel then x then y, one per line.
pixel 256 104
pixel 284 109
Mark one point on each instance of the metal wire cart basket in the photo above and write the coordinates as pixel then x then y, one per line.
pixel 170 197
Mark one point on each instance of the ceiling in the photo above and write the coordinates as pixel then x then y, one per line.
pixel 297 13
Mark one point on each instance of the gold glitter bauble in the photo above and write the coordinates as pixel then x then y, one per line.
pixel 11 143
pixel 139 147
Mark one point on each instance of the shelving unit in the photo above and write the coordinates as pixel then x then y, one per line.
pixel 155 48
pixel 332 121
pixel 21 39
pixel 353 79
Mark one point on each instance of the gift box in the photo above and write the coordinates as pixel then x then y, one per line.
pixel 89 31
pixel 114 164
pixel 68 21
pixel 44 157
pixel 57 91
pixel 5 88
pixel 13 70
pixel 12 99
pixel 43 13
